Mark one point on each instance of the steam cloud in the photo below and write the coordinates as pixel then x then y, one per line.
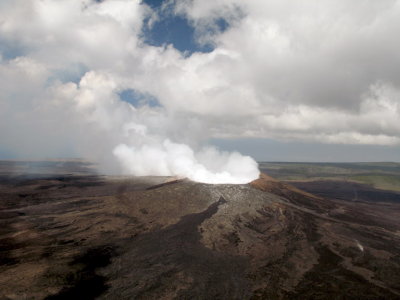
pixel 208 165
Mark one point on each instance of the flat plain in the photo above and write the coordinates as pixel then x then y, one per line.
pixel 370 176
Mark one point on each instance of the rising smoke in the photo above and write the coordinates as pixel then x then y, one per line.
pixel 139 137
pixel 208 165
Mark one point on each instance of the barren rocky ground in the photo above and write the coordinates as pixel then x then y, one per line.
pixel 67 233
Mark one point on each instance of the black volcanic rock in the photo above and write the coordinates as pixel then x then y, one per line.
pixel 82 236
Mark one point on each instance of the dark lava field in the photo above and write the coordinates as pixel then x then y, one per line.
pixel 68 233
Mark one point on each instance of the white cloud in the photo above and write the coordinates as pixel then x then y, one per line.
pixel 305 70
pixel 305 66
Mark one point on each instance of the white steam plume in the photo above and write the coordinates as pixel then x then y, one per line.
pixel 139 138
pixel 168 158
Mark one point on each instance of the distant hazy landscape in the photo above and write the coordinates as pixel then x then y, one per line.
pixel 382 175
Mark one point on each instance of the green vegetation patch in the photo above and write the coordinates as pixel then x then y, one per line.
pixel 381 175
pixel 385 182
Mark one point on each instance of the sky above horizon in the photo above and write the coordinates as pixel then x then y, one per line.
pixel 277 80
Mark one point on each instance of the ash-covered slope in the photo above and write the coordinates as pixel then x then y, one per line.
pixel 89 237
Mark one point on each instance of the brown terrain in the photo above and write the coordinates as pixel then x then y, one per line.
pixel 67 233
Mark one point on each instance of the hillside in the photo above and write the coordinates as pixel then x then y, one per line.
pixel 85 236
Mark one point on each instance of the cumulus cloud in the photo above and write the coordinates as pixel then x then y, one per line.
pixel 306 67
pixel 324 71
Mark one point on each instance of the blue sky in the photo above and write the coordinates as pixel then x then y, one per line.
pixel 273 150
pixel 174 29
